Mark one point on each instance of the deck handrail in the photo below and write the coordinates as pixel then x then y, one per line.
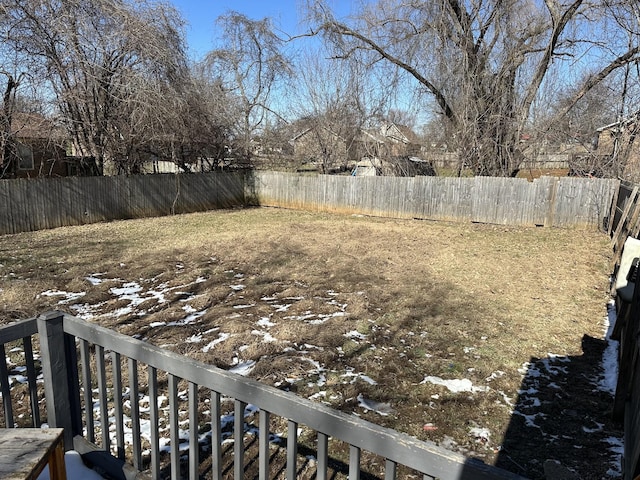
pixel 18 330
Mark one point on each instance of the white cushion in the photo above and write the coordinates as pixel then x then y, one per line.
pixel 630 251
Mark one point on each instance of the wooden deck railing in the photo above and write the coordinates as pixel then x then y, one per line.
pixel 138 402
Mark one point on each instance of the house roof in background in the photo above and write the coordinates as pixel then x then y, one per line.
pixel 621 123
pixel 400 133
pixel 34 126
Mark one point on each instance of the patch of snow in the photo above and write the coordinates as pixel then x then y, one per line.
pixel 368 379
pixel 186 296
pixel 598 428
pixel 303 317
pixel 157 294
pixel 188 319
pixel 455 386
pixel 558 358
pixel 95 279
pixel 243 368
pixel 355 334
pixel 494 375
pixel 264 322
pixel 315 396
pixel 380 408
pixel 552 369
pixel 616 447
pixel 528 391
pixel 68 296
pixel 282 308
pixel 17 379
pixel 221 338
pixel 266 336
pixel 610 356
pixel 323 318
pixel 530 420
pixel 128 291
pixel 480 434
pixel 350 373
pixel 120 312
pixel 508 400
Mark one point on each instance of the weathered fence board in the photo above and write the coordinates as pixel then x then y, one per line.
pixel 39 203
pixel 547 201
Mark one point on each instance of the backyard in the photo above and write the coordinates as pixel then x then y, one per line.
pixel 485 339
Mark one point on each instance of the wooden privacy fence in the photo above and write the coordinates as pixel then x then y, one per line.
pixel 35 204
pixel 548 201
pixel 40 203
pixel 172 417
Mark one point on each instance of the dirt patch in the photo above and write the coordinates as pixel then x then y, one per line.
pixel 430 328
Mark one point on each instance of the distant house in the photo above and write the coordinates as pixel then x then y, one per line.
pixel 322 147
pixel 38 147
pixel 375 147
pixel 165 155
pixel 386 142
pixel 616 145
pixel 390 149
pixel 402 140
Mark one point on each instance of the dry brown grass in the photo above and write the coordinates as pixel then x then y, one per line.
pixel 447 300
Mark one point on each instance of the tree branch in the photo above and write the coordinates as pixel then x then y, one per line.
pixel 341 29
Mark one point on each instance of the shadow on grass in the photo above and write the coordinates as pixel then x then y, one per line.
pixel 562 426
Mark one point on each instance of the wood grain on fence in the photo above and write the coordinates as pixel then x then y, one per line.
pixel 39 203
pixel 548 201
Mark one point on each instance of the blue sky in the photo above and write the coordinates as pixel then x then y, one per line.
pixel 201 15
pixel 286 15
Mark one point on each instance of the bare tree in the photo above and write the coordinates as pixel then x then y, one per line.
pixel 7 159
pixel 329 110
pixel 104 61
pixel 12 75
pixel 194 126
pixel 250 64
pixel 340 102
pixel 484 63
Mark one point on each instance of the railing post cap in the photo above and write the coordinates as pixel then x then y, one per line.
pixel 51 315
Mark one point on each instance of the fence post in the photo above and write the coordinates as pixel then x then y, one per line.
pixel 56 376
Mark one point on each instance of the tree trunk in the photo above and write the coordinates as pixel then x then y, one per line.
pixel 7 150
